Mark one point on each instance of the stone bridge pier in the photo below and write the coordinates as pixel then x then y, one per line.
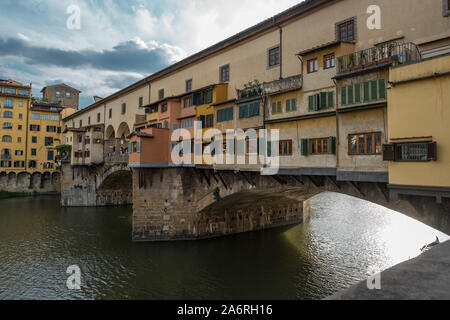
pixel 191 203
pixel 91 186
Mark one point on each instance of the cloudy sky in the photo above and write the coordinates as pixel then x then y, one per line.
pixel 118 42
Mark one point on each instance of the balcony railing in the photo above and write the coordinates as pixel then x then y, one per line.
pixel 390 53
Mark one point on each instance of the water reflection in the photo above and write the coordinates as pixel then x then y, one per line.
pixel 344 241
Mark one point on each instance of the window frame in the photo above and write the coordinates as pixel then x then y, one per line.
pixel 160 94
pixel 374 145
pixel 285 148
pixel 326 58
pixel 346 24
pixel 277 56
pixel 221 73
pixel 446 8
pixel 189 85
pixel 315 67
pixel 315 142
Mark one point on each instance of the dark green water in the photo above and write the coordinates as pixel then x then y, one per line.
pixel 345 241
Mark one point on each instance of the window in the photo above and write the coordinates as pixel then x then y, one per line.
pixel 110 113
pixel 446 9
pixel 19 140
pixel 35 127
pixel 202 97
pixel 225 73
pixel 7 126
pixel 368 91
pixel 45 117
pixel 6 164
pixel 319 146
pixel 19 152
pixel 89 120
pixel 10 91
pixel 81 123
pixel 161 94
pixel 19 127
pixel 124 108
pixel 225 115
pixel 365 144
pixel 51 128
pixel 9 104
pixel 24 92
pixel 410 151
pixel 328 61
pixel 54 118
pixel 67 95
pixel 19 164
pixel 8 115
pixel 187 123
pixel 291 105
pixel 6 139
pixel 33 139
pixel 98 117
pixel 346 31
pixel 58 94
pixel 313 65
pixel 187 103
pixel 48 141
pixel 274 56
pixel 21 104
pixel 20 116
pixel 209 121
pixel 285 148
pixel 141 102
pixel 32 164
pixel 321 101
pixel 249 110
pixel 164 108
pixel 189 85
pixel 6 154
pixel 276 107
pixel 50 155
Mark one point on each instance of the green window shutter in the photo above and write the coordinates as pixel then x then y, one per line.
pixel 351 97
pixel 323 100
pixel 316 101
pixel 130 147
pixel 274 107
pixel 332 145
pixel 344 96
pixel 311 103
pixel 330 100
pixel 138 147
pixel 304 147
pixel 373 90
pixel 357 92
pixel 279 107
pixel 50 156
pixel 294 104
pixel 382 89
pixel 366 91
pixel 288 105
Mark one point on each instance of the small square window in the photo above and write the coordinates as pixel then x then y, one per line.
pixel 225 73
pixel 346 30
pixel 124 108
pixel 328 61
pixel 313 65
pixel 446 9
pixel 68 95
pixel 161 94
pixel 189 85
pixel 274 56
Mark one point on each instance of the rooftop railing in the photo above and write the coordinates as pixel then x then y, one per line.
pixel 387 54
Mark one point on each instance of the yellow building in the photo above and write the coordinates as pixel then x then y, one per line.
pixel 419 116
pixel 44 134
pixel 15 100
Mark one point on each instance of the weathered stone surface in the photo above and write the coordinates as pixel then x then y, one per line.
pixel 30 183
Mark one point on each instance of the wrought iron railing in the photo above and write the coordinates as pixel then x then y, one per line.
pixel 389 53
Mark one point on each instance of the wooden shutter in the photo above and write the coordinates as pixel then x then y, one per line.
pixel 304 147
pixel 279 109
pixel 357 92
pixel 332 145
pixel 209 96
pixel 350 97
pixel 311 103
pixel 316 102
pixel 388 152
pixel 366 96
pixel 274 107
pixel 269 148
pixel 138 147
pixel 330 101
pixel 323 100
pixel 432 151
pixel 294 104
pixel 373 90
pixel 288 105
pixel 382 89
pixel 343 96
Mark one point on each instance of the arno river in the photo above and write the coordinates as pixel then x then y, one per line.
pixel 345 241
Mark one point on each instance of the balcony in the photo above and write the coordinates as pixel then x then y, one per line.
pixel 381 56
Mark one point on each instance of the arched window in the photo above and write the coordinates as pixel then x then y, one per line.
pixel 6 139
pixel 8 114
pixel 7 125
pixel 6 154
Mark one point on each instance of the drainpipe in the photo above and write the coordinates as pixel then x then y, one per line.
pixel 26 128
pixel 281 51
pixel 338 141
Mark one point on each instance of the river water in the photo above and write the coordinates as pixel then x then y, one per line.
pixel 344 241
